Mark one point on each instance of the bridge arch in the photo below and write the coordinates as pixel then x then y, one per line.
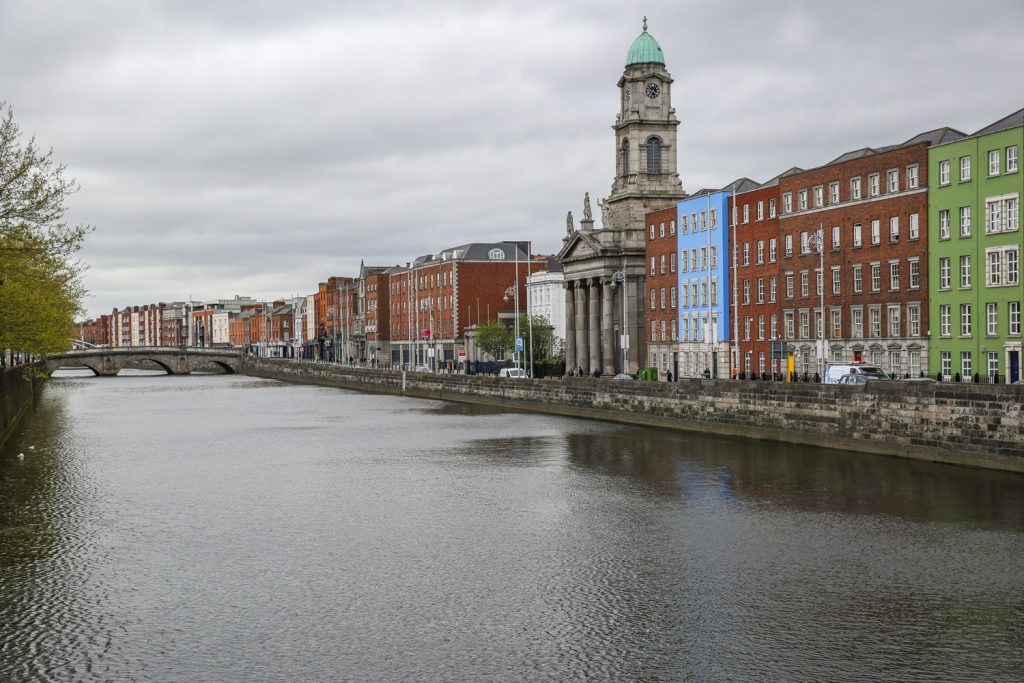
pixel 204 363
pixel 52 367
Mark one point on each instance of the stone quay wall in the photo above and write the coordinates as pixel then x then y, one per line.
pixel 16 397
pixel 967 424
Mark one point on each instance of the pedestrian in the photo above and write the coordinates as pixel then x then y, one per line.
pixel 669 375
pixel 707 373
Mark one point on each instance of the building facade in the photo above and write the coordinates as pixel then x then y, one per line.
pixel 545 296
pixel 605 269
pixel 662 314
pixel 974 230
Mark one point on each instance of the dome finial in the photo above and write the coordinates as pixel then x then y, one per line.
pixel 645 23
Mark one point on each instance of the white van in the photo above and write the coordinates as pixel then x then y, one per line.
pixel 515 373
pixel 836 370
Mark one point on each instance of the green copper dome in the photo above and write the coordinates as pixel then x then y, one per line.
pixel 644 49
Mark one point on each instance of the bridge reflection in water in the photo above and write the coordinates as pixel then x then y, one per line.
pixel 109 362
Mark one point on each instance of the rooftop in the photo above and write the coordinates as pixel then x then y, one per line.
pixel 645 49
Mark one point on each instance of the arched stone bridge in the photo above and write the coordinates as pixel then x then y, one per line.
pixel 175 360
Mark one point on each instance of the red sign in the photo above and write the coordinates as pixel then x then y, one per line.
pixel 426 333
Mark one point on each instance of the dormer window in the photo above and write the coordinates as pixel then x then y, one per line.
pixel 496 255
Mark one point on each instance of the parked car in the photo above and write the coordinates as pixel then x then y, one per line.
pixel 835 371
pixel 857 378
pixel 423 368
pixel 623 376
pixel 514 373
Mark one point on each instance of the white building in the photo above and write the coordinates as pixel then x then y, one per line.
pixel 545 297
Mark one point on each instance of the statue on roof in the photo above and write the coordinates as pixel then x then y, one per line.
pixel 605 212
pixel 569 229
pixel 587 215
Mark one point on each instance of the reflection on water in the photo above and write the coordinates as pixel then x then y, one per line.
pixel 232 529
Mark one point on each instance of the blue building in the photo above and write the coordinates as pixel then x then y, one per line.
pixel 703 276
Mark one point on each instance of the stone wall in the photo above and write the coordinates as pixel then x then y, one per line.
pixel 16 397
pixel 976 425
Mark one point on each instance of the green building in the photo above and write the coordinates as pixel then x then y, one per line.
pixel 974 246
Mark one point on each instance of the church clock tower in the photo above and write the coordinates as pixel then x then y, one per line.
pixel 646 177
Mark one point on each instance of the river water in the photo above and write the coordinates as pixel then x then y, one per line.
pixel 225 528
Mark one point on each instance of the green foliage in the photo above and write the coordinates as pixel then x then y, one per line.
pixel 494 338
pixel 40 277
pixel 545 344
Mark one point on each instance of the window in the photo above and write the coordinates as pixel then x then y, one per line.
pixel 835 237
pixel 760 327
pixel 703 221
pixel 894 363
pixel 746 253
pixel 684 263
pixel 789 285
pixel 819 196
pixel 673 297
pixel 965 169
pixel 833 193
pixel 965 366
pixel 914 230
pixel 787 203
pixel 944 273
pixel 760 210
pixel 1002 214
pixel 771 208
pixel 873 185
pixel 714 257
pixel 1011 159
pixel 771 250
pixel 789 325
pixel 789 245
pixel 760 290
pixel 652 231
pixel 991 319
pixel 857 239
pixel 836 280
pixel 944 320
pixel 652 258
pixel 760 252
pixel 876 277
pixel 805 325
pixel 944 224
pixel 876 321
pixel 802 198
pixel 947 365
pixel 625 157
pixel 894 275
pixel 746 327
pixel 771 289
pixel 894 229
pixel 714 218
pixel 857 279
pixel 965 320
pixel 913 321
pixel 746 213
pixel 654 330
pixel 1002 266
pixel 804 284
pixel 855 189
pixel 965 271
pixel 661 230
pixel 944 172
pixel 993 365
pixel 672 262
pixel 684 292
pixel 915 273
pixel 672 228
pixel 661 264
pixel 993 162
pixel 746 291
pixel 876 232
pixel 654 298
pixel 774 327
pixel 912 177
pixel 497 254
pixel 837 323
pixel 654 155
pixel 1013 313
pixel 663 300
pixel 894 321
pixel 818 279
pixel 857 321
pixel 965 221
pixel 893 180
pixel 805 246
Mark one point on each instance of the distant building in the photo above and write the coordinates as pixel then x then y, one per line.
pixel 545 295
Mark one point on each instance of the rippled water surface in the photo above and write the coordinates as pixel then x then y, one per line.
pixel 224 528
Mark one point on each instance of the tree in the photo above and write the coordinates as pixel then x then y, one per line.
pixel 494 338
pixel 545 344
pixel 40 277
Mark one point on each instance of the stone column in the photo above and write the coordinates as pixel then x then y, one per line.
pixel 637 323
pixel 570 326
pixel 581 324
pixel 594 324
pixel 607 328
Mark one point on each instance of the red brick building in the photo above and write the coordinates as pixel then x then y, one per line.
pixel 662 314
pixel 433 299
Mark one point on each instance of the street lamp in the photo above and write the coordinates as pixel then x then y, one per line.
pixel 619 278
pixel 513 292
pixel 818 239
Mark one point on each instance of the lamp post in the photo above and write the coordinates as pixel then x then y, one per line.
pixel 619 278
pixel 818 239
pixel 513 292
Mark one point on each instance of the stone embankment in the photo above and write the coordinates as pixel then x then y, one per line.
pixel 966 424
pixel 16 397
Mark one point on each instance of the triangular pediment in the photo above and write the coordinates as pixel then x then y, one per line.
pixel 579 245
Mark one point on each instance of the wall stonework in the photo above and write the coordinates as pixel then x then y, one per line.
pixel 975 425
pixel 16 398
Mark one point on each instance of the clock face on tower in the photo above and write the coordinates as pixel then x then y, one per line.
pixel 653 90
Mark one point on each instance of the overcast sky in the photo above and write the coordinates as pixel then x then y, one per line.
pixel 258 147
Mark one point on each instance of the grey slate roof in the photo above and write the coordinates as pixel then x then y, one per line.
pixel 1012 121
